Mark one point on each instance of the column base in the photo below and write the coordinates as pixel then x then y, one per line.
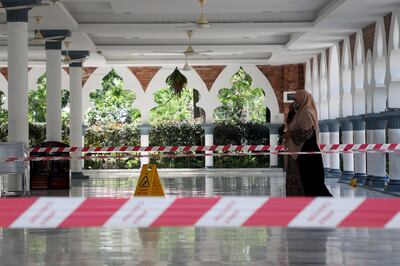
pixel 360 177
pixel 209 167
pixel 78 175
pixel 367 180
pixel 334 173
pixel 377 182
pixel 326 172
pixel 393 186
pixel 347 176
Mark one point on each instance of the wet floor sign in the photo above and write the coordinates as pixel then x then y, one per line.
pixel 149 183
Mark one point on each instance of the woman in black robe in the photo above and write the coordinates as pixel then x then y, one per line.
pixel 303 136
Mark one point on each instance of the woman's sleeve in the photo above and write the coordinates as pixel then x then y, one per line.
pixel 300 135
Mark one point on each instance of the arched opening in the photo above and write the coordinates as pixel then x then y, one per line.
pixel 394 59
pixel 359 93
pixel 241 119
pixel 37 112
pixel 112 121
pixel 3 118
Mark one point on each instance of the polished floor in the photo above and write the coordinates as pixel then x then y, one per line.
pixel 200 246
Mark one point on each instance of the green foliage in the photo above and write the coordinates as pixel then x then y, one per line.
pixel 112 104
pixel 3 118
pixel 180 134
pixel 241 103
pixel 172 108
pixel 113 134
pixel 37 103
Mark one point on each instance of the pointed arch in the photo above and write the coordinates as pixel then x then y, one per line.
pixel 369 69
pixel 359 63
pixel 324 107
pixel 315 80
pixel 394 46
pixel 95 82
pixel 4 88
pixel 380 52
pixel 259 81
pixel 347 98
pixel 158 82
pixel 308 77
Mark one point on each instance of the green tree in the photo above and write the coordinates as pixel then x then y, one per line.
pixel 111 103
pixel 37 103
pixel 172 108
pixel 241 103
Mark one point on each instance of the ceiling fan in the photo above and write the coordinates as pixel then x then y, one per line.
pixel 67 58
pixel 38 37
pixel 189 50
pixel 201 21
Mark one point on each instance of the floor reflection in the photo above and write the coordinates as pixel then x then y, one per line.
pixel 199 246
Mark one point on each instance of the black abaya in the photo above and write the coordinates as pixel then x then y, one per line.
pixel 312 170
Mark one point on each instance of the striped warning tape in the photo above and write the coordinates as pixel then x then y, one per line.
pixel 176 155
pixel 52 212
pixel 216 148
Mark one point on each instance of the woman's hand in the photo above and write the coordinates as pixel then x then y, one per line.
pixel 287 134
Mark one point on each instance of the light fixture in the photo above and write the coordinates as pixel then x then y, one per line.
pixel 38 35
pixel 67 57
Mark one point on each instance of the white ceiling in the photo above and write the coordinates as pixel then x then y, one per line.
pixel 144 32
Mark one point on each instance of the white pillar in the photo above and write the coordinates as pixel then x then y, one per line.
pixel 209 186
pixel 394 158
pixel 53 92
pixel 324 139
pixel 209 141
pixel 144 141
pixel 334 166
pixel 18 126
pixel 360 159
pixel 376 162
pixel 76 138
pixel 348 158
pixel 273 140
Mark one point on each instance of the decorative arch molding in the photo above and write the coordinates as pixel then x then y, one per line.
pixel 259 81
pixel 308 77
pixel 346 80
pixel 324 106
pixel 359 63
pixel 315 80
pixel 36 72
pixel 369 82
pixel 334 82
pixel 158 82
pixel 95 82
pixel 394 61
pixel 379 54
pixel 4 88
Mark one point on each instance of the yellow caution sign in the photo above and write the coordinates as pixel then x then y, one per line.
pixel 149 183
pixel 353 182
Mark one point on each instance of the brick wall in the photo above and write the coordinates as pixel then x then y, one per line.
pixel 284 78
pixel 369 38
pixel 209 74
pixel 144 74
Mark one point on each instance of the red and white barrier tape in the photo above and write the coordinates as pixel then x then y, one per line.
pixel 53 212
pixel 174 155
pixel 215 148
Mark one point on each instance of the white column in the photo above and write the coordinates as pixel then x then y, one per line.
pixel 18 126
pixel 76 138
pixel 334 169
pixel 209 186
pixel 348 158
pixel 209 141
pixel 324 139
pixel 394 158
pixel 273 140
pixel 376 162
pixel 144 141
pixel 53 99
pixel 360 159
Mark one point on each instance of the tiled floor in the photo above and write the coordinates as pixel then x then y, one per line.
pixel 200 246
